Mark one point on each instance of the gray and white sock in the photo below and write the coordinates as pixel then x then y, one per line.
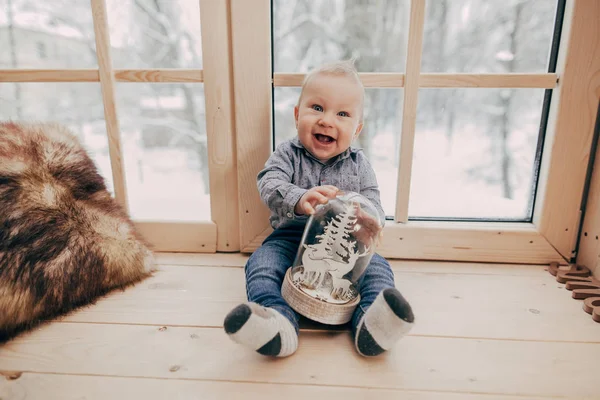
pixel 262 329
pixel 388 319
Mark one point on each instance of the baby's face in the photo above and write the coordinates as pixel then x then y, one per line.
pixel 329 115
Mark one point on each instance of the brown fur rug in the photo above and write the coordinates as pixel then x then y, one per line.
pixel 64 241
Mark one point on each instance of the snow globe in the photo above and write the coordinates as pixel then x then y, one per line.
pixel 338 242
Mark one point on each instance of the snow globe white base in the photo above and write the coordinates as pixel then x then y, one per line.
pixel 336 248
pixel 315 309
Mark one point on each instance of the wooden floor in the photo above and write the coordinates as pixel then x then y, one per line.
pixel 482 332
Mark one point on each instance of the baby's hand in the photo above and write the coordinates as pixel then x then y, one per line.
pixel 317 195
pixel 370 227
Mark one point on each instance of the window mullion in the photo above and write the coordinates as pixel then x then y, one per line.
pixel 107 83
pixel 220 132
pixel 409 116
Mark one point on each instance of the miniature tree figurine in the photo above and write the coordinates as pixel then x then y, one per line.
pixel 334 253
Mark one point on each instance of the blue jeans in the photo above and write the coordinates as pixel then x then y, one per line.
pixel 267 266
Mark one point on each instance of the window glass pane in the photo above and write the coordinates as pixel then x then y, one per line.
pixel 78 106
pixel 379 139
pixel 487 36
pixel 285 99
pixel 307 33
pixel 475 153
pixel 163 133
pixel 155 33
pixel 47 34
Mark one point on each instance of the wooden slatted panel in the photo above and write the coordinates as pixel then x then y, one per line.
pixel 444 267
pixel 107 84
pixel 446 304
pixel 409 115
pixel 323 359
pixel 221 259
pixel 77 387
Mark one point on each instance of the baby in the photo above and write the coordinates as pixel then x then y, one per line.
pixel 303 172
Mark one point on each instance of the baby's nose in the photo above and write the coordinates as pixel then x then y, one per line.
pixel 326 120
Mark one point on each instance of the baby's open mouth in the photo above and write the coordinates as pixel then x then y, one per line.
pixel 324 138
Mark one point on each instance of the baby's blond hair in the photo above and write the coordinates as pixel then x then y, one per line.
pixel 338 68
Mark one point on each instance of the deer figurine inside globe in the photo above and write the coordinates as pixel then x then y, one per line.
pixel 337 245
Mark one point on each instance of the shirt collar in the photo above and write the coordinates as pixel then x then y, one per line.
pixel 351 150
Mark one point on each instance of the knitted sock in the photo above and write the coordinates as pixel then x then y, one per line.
pixel 388 319
pixel 262 329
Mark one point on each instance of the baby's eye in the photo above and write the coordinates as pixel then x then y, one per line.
pixel 343 114
pixel 317 107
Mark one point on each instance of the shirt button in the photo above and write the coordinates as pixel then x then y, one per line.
pixel 289 215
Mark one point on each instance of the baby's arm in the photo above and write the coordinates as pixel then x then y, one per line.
pixel 369 187
pixel 275 183
pixel 284 197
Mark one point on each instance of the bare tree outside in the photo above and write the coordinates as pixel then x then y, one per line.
pixel 474 148
pixel 308 33
pixel 490 135
pixel 60 34
pixel 167 121
pixel 162 125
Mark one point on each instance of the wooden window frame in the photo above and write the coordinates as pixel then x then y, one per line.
pixel 216 77
pixel 236 44
pixel 552 234
pixel 588 252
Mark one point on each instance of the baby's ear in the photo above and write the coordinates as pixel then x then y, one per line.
pixel 296 116
pixel 358 130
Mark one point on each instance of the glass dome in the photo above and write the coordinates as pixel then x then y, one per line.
pixel 337 245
